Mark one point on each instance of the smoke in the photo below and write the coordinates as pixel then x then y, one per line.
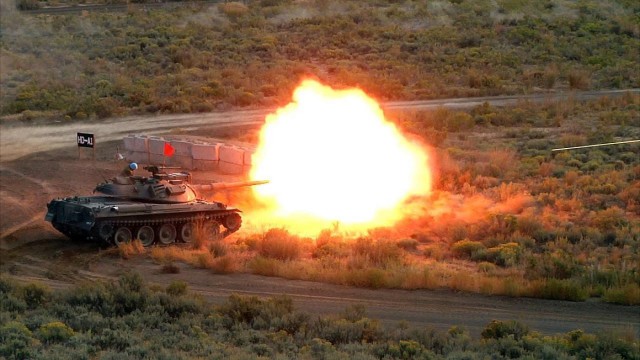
pixel 439 217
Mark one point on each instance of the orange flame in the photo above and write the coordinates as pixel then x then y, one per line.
pixel 331 156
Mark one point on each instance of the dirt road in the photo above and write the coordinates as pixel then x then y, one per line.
pixel 38 161
pixel 18 139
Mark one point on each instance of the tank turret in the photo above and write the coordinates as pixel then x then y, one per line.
pixel 160 208
pixel 163 187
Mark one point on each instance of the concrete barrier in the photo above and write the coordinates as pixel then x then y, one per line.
pixel 229 168
pixel 141 143
pixel 158 159
pixel 137 156
pixel 185 162
pixel 205 152
pixel 183 148
pixel 129 142
pixel 188 155
pixel 199 164
pixel 231 154
pixel 248 157
pixel 156 145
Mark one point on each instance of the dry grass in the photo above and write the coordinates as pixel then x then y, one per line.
pixel 225 265
pixel 130 249
pixel 580 80
pixel 626 295
pixel 233 9
pixel 172 253
pixel 360 269
pixel 280 244
pixel 218 248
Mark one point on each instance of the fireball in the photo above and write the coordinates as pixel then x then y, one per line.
pixel 332 157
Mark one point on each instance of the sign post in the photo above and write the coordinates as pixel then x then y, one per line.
pixel 86 140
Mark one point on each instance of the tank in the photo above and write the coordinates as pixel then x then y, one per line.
pixel 162 208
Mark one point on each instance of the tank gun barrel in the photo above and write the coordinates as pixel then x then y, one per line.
pixel 227 186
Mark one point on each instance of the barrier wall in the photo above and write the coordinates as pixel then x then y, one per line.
pixel 231 154
pixel 156 145
pixel 205 152
pixel 248 157
pixel 129 141
pixel 225 158
pixel 139 157
pixel 140 143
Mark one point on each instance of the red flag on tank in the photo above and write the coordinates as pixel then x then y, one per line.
pixel 168 149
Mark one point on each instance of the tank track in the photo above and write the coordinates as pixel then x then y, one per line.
pixel 177 221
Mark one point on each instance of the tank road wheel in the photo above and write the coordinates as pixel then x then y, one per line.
pixel 105 231
pixel 146 235
pixel 232 222
pixel 123 235
pixel 188 232
pixel 167 234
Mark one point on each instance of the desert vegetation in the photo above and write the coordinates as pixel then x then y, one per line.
pixel 128 319
pixel 507 216
pixel 203 57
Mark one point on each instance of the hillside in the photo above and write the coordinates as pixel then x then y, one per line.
pixel 199 58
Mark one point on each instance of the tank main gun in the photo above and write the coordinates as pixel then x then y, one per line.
pixel 227 186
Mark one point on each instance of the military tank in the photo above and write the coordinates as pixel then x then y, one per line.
pixel 162 208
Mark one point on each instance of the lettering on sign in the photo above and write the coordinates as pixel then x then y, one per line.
pixel 85 140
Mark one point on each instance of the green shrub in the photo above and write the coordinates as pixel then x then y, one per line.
pixel 16 341
pixel 500 329
pixel 467 248
pixel 342 331
pixel 276 313
pixel 625 295
pixel 557 289
pixel 354 312
pixel 177 288
pixel 504 254
pixel 93 296
pixel 35 295
pixel 55 332
pixel 404 349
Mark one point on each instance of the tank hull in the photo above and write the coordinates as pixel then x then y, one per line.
pixel 115 220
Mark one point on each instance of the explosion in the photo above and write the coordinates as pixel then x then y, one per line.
pixel 331 156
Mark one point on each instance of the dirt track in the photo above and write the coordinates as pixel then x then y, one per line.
pixel 19 139
pixel 39 162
